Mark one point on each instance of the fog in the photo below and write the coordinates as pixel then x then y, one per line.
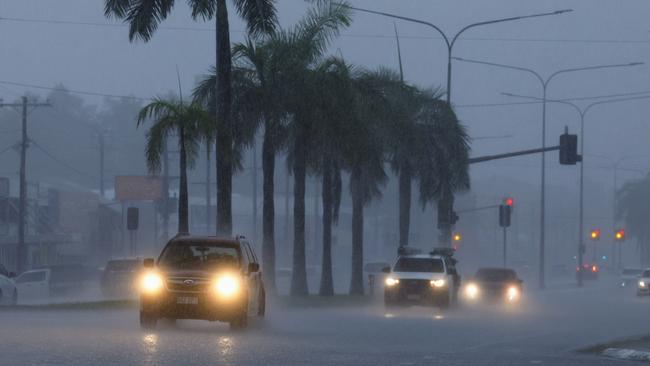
pixel 86 85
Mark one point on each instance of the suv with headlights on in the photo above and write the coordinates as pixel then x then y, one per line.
pixel 204 278
pixel 426 279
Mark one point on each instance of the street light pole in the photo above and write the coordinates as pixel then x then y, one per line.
pixel 544 83
pixel 447 202
pixel 582 112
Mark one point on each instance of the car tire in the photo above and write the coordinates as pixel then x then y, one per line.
pixel 240 322
pixel 444 302
pixel 261 310
pixel 148 320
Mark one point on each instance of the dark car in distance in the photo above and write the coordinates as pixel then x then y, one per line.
pixel 120 276
pixel 205 278
pixel 494 285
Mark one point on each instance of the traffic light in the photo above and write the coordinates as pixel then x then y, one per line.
pixel 619 235
pixel 450 218
pixel 569 149
pixel 505 212
pixel 509 201
pixel 457 237
pixel 595 234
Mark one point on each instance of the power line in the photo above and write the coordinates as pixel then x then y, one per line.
pixel 7 149
pixel 61 162
pixel 82 92
pixel 347 35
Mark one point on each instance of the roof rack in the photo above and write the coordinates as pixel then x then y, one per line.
pixel 406 250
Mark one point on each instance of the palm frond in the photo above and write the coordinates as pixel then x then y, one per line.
pixel 260 15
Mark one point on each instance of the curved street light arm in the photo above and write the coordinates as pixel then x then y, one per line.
pixel 444 36
pixel 553 75
pixel 557 12
pixel 503 66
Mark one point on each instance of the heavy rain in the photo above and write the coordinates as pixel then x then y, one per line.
pixel 321 182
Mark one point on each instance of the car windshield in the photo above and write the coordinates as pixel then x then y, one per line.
pixel 431 265
pixel 645 273
pixel 35 276
pixel 123 265
pixel 198 256
pixel 495 274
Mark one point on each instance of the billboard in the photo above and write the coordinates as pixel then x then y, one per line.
pixel 138 188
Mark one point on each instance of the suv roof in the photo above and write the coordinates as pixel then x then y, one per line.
pixel 421 256
pixel 207 239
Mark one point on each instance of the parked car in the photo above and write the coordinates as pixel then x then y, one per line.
pixel 119 278
pixel 56 281
pixel 8 291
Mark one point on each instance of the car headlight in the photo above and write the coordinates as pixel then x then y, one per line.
pixel 151 283
pixel 438 283
pixel 513 293
pixel 227 285
pixel 471 291
pixel 642 284
pixel 390 281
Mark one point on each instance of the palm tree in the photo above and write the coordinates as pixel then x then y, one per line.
pixel 633 207
pixel 297 51
pixel 172 117
pixel 144 17
pixel 443 167
pixel 363 151
pixel 334 78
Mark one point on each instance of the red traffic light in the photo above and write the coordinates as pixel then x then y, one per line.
pixel 509 201
pixel 619 235
pixel 595 234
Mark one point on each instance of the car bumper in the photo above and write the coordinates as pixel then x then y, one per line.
pixel 643 290
pixel 207 307
pixel 427 296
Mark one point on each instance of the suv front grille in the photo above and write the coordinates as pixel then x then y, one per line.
pixel 188 285
pixel 414 286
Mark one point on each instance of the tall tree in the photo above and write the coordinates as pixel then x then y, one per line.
pixel 144 16
pixel 332 119
pixel 633 207
pixel 443 168
pixel 364 159
pixel 172 117
pixel 301 48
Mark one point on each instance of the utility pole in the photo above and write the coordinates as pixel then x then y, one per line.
pixel 208 194
pixel 21 252
pixel 101 162
pixel 165 200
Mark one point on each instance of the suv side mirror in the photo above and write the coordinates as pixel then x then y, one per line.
pixel 386 269
pixel 12 274
pixel 253 267
pixel 148 263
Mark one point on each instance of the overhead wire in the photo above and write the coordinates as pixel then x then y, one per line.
pixel 349 35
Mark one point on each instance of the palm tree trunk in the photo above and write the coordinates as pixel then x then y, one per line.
pixel 299 274
pixel 356 280
pixel 404 205
pixel 326 281
pixel 183 211
pixel 224 121
pixel 268 211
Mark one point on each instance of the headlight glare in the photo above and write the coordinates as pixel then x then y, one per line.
pixel 391 281
pixel 513 293
pixel 438 283
pixel 227 285
pixel 151 283
pixel 642 284
pixel 471 291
